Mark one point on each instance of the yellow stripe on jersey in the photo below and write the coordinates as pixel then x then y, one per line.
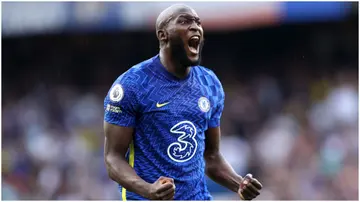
pixel 131 162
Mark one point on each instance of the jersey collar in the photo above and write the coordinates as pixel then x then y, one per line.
pixel 162 70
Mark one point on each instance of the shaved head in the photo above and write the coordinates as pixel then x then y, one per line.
pixel 169 13
pixel 180 35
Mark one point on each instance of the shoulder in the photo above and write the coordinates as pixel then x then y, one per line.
pixel 127 84
pixel 209 74
pixel 133 76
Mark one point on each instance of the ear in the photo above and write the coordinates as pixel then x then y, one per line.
pixel 162 35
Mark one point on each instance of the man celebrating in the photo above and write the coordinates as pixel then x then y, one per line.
pixel 162 121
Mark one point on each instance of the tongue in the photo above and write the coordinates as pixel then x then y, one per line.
pixel 193 46
pixel 192 49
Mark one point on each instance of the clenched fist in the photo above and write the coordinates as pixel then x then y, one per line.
pixel 162 189
pixel 249 188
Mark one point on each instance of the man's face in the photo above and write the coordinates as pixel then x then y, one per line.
pixel 186 37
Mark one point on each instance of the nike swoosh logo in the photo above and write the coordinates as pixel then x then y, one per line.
pixel 158 105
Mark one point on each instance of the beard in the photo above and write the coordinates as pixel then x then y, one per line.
pixel 178 52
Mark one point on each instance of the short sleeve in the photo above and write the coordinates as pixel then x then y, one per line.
pixel 219 107
pixel 120 104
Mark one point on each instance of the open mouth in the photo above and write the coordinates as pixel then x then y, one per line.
pixel 194 44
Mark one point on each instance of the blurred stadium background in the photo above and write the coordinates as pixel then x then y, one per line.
pixel 289 70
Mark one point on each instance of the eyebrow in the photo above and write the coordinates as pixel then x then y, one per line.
pixel 185 15
pixel 173 17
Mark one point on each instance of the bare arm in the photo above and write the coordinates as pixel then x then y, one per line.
pixel 217 168
pixel 121 106
pixel 117 141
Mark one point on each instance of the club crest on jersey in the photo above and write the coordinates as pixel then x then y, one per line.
pixel 116 93
pixel 185 147
pixel 204 104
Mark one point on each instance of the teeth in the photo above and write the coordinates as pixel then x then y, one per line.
pixel 195 38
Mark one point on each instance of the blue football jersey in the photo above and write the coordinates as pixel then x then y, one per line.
pixel 170 117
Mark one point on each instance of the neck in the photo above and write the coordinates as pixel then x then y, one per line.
pixel 173 66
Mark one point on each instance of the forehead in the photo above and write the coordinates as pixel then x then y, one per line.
pixel 184 12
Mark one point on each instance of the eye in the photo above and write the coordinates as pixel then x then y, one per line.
pixel 184 21
pixel 198 22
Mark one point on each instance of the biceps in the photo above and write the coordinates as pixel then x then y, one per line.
pixel 117 139
pixel 212 141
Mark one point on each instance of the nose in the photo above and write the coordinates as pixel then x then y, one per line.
pixel 195 27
